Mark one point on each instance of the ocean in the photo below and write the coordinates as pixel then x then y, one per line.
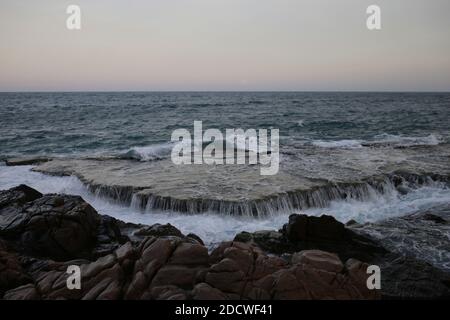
pixel 362 156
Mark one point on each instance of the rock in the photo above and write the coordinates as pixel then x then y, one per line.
pixel 196 238
pixel 56 226
pixel 40 236
pixel 25 292
pixel 434 218
pixel 168 292
pixel 407 278
pixel 189 254
pixel 18 196
pixel 159 230
pixel 304 228
pixel 351 223
pixel 322 233
pixel 319 259
pixel 25 161
pixel 180 276
pixel 268 240
pixel 203 291
pixel 12 274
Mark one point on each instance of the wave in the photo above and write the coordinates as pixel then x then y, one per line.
pixel 382 140
pixel 386 139
pixel 348 144
pixel 148 153
pixel 163 150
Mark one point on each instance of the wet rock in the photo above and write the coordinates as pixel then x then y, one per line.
pixel 56 226
pixel 159 230
pixel 304 232
pixel 12 274
pixel 196 238
pixel 407 278
pixel 52 227
pixel 203 291
pixel 434 218
pixel 25 161
pixel 318 259
pixel 268 240
pixel 305 228
pixel 245 272
pixel 18 196
pixel 351 223
pixel 168 292
pixel 25 292
pixel 189 254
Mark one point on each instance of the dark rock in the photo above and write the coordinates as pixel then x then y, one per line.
pixel 25 161
pixel 408 278
pixel 196 238
pixel 25 292
pixel 203 291
pixel 159 230
pixel 51 227
pixel 55 226
pixel 304 228
pixel 18 196
pixel 434 218
pixel 269 240
pixel 351 223
pixel 324 233
pixel 12 274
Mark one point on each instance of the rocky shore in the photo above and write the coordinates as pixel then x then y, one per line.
pixel 309 258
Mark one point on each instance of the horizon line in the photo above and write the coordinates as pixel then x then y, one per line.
pixel 225 91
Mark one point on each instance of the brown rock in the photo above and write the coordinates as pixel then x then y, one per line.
pixel 319 259
pixel 203 291
pixel 25 292
pixel 190 254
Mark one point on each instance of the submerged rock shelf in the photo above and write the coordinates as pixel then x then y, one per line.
pixel 143 186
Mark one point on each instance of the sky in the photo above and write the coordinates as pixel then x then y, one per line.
pixel 225 45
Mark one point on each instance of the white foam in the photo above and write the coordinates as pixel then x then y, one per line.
pixel 405 141
pixel 151 152
pixel 350 144
pixel 213 228
pixel 382 139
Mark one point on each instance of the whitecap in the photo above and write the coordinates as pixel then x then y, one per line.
pixel 349 144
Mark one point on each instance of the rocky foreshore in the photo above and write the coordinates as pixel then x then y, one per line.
pixel 309 258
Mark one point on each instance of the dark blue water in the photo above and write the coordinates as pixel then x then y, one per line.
pixel 93 123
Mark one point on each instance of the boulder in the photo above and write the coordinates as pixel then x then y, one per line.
pixel 309 228
pixel 56 226
pixel 18 196
pixel 319 260
pixel 159 230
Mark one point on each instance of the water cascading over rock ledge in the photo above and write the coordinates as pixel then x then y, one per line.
pixel 41 235
pixel 241 190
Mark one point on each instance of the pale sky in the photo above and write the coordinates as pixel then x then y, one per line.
pixel 153 45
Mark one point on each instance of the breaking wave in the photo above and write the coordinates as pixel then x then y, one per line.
pixel 148 153
pixel 380 140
